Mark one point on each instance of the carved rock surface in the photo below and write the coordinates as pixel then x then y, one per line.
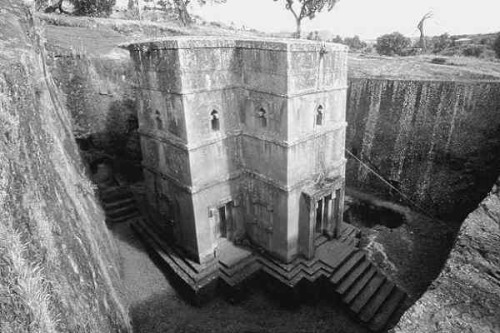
pixel 58 269
pixel 466 295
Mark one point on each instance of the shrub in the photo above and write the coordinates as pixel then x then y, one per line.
pixel 392 44
pixel 354 43
pixel 441 43
pixel 438 61
pixel 496 46
pixel 473 51
pixel 93 7
pixel 337 39
pixel 81 7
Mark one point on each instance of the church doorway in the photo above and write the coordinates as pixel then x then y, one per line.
pixel 224 221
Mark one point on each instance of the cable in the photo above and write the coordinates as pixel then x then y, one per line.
pixel 413 203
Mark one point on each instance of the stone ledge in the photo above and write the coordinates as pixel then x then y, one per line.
pixel 197 42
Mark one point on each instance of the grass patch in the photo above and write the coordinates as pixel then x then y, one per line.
pixel 24 293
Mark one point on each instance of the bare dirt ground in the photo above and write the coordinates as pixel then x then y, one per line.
pixel 156 307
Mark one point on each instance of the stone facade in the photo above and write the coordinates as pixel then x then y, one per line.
pixel 243 139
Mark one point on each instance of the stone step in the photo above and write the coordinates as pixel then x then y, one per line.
pixel 298 271
pixel 382 317
pixel 335 260
pixel 197 271
pixel 123 218
pixel 367 293
pixel 320 240
pixel 350 233
pixel 376 301
pixel 122 211
pixel 119 203
pixel 310 277
pixel 148 241
pixel 242 274
pixel 236 267
pixel 359 285
pixel 277 269
pixel 288 268
pixel 199 277
pixel 275 275
pixel 115 194
pixel 347 266
pixel 352 277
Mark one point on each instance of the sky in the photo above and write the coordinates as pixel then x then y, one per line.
pixel 365 18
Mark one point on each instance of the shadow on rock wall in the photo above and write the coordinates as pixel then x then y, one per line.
pixel 102 103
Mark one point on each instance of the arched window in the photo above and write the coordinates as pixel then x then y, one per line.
pixel 214 120
pixel 261 114
pixel 319 115
pixel 159 122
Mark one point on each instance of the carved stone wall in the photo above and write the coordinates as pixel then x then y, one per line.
pixel 245 122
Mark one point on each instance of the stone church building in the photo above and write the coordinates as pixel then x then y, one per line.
pixel 243 139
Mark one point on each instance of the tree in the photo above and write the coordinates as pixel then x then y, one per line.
pixel 313 35
pixel 441 42
pixel 496 46
pixel 93 7
pixel 52 8
pixel 182 11
pixel 81 7
pixel 337 39
pixel 354 43
pixel 420 27
pixel 307 8
pixel 392 44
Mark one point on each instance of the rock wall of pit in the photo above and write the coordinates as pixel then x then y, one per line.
pixel 466 295
pixel 99 94
pixel 58 262
pixel 435 141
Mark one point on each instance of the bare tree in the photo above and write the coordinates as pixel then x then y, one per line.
pixel 420 27
pixel 307 8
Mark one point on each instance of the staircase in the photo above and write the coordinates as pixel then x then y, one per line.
pixel 370 296
pixel 119 204
pixel 236 264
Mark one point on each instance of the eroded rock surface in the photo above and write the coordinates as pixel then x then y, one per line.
pixel 58 269
pixel 435 141
pixel 466 295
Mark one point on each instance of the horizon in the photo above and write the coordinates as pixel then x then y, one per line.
pixel 378 18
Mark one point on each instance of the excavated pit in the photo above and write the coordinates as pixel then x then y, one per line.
pixel 437 140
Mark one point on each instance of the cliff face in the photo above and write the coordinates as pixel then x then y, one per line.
pixel 466 295
pixel 58 263
pixel 437 141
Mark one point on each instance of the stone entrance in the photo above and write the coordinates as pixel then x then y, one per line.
pixel 222 220
pixel 324 203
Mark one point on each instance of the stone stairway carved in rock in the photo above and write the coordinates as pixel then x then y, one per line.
pixel 119 204
pixel 366 291
pixel 370 295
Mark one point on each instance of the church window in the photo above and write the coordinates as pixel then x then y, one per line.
pixel 319 115
pixel 214 120
pixel 261 114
